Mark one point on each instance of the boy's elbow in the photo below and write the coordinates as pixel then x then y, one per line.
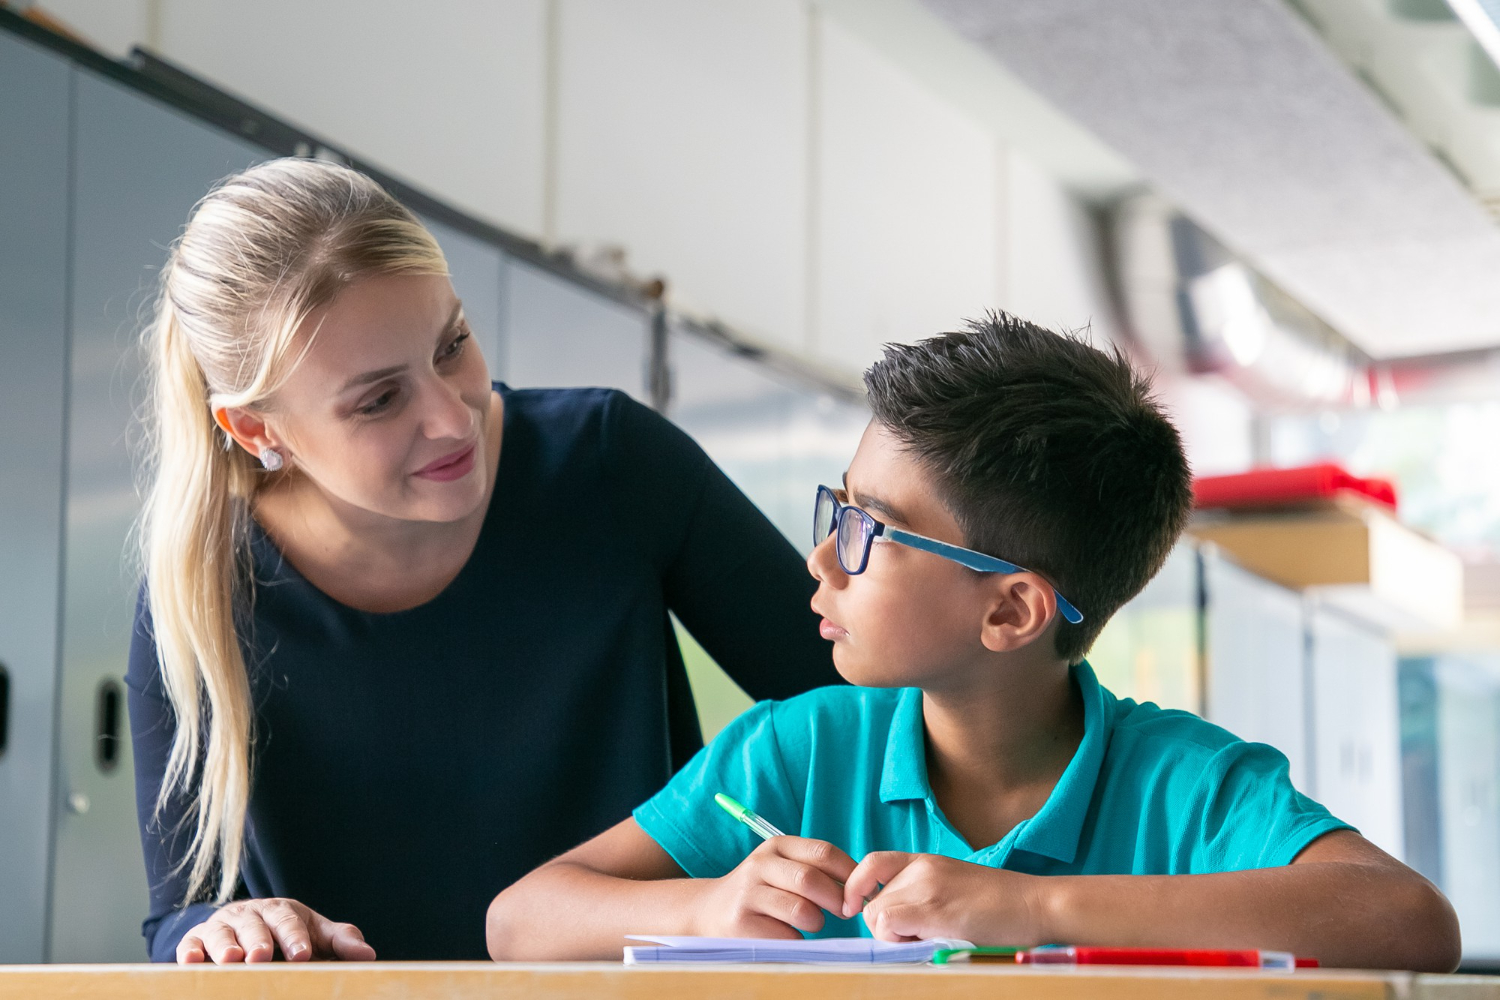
pixel 1447 946
pixel 1430 928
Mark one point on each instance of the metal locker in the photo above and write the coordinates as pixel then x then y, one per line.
pixel 33 339
pixel 138 169
pixel 1255 675
pixel 1356 725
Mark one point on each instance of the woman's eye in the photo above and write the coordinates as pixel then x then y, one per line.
pixel 455 346
pixel 379 403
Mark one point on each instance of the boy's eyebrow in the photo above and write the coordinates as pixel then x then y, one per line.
pixel 874 503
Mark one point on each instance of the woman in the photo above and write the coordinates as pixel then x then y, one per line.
pixel 404 632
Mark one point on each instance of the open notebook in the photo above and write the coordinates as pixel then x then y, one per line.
pixel 858 951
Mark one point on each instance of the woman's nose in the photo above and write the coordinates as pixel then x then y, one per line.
pixel 447 415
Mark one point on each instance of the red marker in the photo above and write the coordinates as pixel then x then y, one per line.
pixel 1247 958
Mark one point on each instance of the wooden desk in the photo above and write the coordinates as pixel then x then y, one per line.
pixel 610 981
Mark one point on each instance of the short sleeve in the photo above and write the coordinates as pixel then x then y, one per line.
pixel 1245 813
pixel 744 762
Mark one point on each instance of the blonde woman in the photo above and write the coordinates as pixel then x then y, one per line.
pixel 403 634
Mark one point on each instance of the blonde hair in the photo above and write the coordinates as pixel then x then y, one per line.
pixel 261 251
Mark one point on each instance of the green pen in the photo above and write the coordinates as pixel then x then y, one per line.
pixel 762 829
pixel 752 819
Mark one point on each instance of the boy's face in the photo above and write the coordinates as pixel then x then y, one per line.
pixel 911 618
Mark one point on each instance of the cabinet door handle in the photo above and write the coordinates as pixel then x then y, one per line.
pixel 4 708
pixel 107 725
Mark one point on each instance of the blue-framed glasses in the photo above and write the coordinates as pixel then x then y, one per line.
pixel 857 531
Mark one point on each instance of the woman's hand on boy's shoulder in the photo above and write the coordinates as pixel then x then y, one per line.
pixel 781 888
pixel 916 896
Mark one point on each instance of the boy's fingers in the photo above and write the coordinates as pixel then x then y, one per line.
pixel 877 869
pixel 805 881
pixel 818 853
pixel 899 922
pixel 792 911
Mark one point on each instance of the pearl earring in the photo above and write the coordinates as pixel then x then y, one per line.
pixel 270 458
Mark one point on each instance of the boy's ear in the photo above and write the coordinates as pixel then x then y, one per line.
pixel 1021 612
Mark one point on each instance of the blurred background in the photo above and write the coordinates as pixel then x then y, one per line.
pixel 1284 208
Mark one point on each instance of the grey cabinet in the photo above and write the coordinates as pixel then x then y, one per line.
pixel 1356 725
pixel 33 360
pixel 1255 641
pixel 138 167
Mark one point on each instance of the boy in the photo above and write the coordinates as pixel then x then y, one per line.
pixel 977 775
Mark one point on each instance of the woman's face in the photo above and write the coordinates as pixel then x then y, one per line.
pixel 389 411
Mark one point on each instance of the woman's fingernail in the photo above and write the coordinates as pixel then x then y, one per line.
pixel 298 950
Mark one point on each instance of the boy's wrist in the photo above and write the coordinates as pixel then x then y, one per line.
pixel 1046 904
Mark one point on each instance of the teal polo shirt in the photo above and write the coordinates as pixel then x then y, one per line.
pixel 1150 791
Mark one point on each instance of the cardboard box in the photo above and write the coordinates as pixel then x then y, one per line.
pixel 1353 555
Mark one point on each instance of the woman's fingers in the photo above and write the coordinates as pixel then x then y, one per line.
pixel 289 928
pixel 221 942
pixel 341 941
pixel 190 950
pixel 253 932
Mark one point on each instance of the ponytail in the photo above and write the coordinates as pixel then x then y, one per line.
pixel 262 250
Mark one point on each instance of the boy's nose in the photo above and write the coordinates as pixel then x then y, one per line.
pixel 823 563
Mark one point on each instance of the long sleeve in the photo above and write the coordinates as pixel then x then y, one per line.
pixel 731 577
pixel 164 836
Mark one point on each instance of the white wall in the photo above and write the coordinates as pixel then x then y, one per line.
pixel 784 173
pixel 904 223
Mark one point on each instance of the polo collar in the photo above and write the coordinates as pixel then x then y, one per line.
pixel 1055 830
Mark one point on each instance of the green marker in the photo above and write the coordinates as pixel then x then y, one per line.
pixel 763 830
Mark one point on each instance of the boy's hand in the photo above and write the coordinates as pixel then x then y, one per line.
pixel 914 896
pixel 783 887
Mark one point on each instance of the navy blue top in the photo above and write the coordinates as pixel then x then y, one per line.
pixel 409 766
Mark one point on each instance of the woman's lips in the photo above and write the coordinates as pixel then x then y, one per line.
pixel 449 467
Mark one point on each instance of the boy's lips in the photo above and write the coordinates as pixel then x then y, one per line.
pixel 827 629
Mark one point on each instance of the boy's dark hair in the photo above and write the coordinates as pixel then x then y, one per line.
pixel 1050 453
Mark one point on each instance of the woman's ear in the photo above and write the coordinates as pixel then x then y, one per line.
pixel 1021 611
pixel 246 427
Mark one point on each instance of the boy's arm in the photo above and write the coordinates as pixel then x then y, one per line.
pixel 583 903
pixel 1342 900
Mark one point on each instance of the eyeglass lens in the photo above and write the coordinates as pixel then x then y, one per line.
pixel 823 517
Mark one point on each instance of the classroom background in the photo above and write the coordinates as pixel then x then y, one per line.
pixel 1286 208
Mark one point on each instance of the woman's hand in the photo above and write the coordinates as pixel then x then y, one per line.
pixel 906 897
pixel 783 887
pixel 252 930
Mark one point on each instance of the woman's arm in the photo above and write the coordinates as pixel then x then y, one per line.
pixel 245 930
pixel 732 578
pixel 164 836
